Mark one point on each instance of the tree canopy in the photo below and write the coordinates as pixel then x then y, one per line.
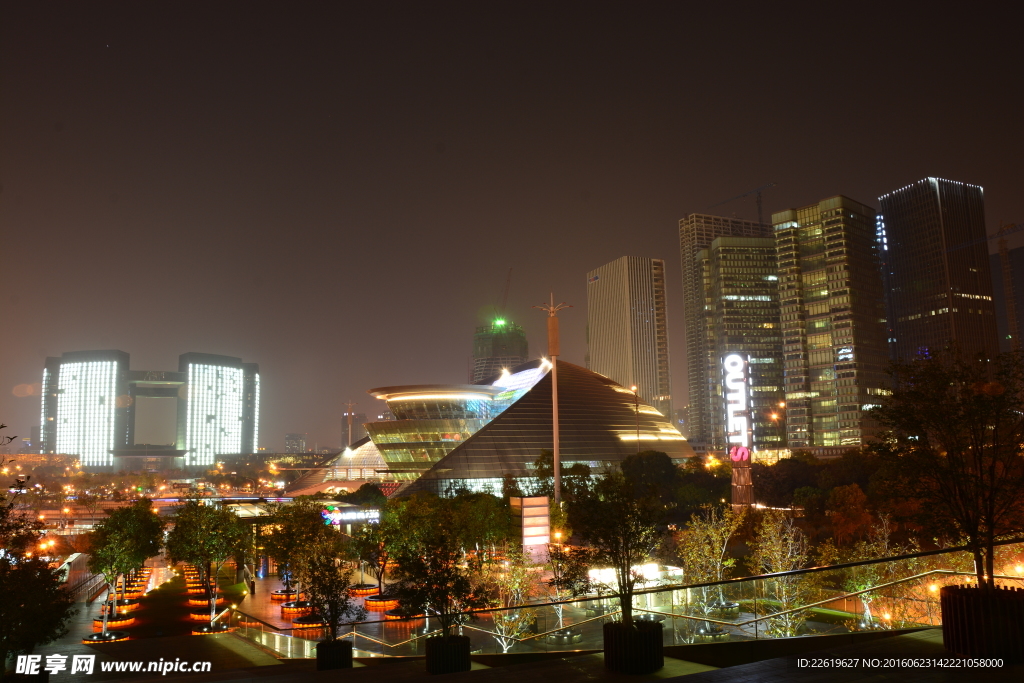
pixel 623 530
pixel 956 445
pixel 35 607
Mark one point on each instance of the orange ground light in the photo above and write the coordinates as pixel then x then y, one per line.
pixel 97 624
pixel 86 641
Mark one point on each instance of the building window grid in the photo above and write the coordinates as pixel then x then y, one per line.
pixel 86 407
pixel 214 415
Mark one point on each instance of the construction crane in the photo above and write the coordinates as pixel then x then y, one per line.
pixel 758 191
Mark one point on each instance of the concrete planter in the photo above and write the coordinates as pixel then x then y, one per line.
pixel 448 655
pixel 635 649
pixel 334 654
pixel 983 622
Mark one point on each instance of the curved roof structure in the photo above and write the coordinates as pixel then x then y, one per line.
pixel 472 436
pixel 599 424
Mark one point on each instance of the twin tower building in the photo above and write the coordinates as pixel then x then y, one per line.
pixel 91 400
pixel 817 304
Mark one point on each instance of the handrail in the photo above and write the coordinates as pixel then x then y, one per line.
pixel 664 588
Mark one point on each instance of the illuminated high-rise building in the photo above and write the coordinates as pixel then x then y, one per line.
pixel 697 231
pixel 627 331
pixel 219 413
pixel 935 261
pixel 500 345
pixel 741 300
pixel 833 321
pixel 85 406
pixel 91 401
pixel 295 443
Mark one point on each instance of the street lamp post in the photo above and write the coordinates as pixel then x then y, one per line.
pixel 554 350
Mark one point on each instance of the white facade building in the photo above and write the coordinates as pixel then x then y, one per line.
pixel 627 332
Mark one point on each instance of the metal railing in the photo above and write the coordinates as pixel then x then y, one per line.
pixel 819 600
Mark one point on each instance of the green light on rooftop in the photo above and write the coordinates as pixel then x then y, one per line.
pixel 499 322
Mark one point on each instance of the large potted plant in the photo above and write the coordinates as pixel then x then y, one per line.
pixel 621 525
pixel 956 446
pixel 327 580
pixel 435 578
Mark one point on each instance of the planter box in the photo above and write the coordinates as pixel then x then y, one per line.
pixel 635 649
pixel 448 655
pixel 983 622
pixel 336 654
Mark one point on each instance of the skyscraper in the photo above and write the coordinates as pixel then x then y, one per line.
pixel 626 327
pixel 1008 296
pixel 91 400
pixel 697 231
pixel 295 443
pixel 497 346
pixel 935 262
pixel 741 300
pixel 833 321
pixel 85 406
pixel 219 413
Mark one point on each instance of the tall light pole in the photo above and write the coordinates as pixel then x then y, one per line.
pixel 554 351
pixel 636 404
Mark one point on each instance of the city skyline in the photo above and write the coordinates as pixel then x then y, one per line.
pixel 170 184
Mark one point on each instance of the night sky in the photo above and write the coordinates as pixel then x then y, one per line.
pixel 336 191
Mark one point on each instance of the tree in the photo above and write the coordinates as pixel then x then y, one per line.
pixel 367 495
pixel 35 607
pixel 652 473
pixel 514 585
pixel 622 529
pixel 780 546
pixel 205 536
pixel 121 544
pixel 484 522
pixel 433 574
pixel 570 574
pixel 327 580
pixel 957 446
pixel 295 527
pixel 375 544
pixel 850 516
pixel 703 549
pixel 576 478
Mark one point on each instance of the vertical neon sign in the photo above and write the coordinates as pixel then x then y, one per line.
pixel 737 400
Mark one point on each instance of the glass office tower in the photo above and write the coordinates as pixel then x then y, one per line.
pixel 935 256
pixel 741 299
pixel 697 231
pixel 833 321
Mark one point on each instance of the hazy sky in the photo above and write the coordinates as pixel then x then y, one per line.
pixel 336 191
